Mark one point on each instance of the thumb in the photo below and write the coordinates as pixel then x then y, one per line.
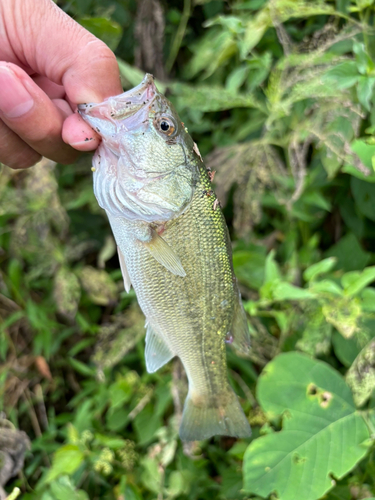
pixel 52 44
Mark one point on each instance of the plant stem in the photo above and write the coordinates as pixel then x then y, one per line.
pixel 179 35
pixel 15 494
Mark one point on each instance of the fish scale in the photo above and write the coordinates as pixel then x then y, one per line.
pixel 180 266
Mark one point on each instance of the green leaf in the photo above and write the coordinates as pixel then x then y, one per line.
pixel 66 460
pixel 361 375
pixel 254 31
pixel 344 314
pixel 236 78
pixel 368 299
pixel 343 75
pixel 360 281
pixel 361 56
pixel 349 253
pixel 365 91
pixel 286 291
pixel 63 489
pixel 364 195
pixel 107 30
pixel 271 270
pixel 133 76
pixel 249 268
pixel 346 350
pixel 322 267
pixel 82 368
pixel 322 433
pixel 208 98
pixel 364 151
pixel 326 287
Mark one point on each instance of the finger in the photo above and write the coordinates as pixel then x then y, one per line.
pixel 63 51
pixel 79 134
pixel 28 111
pixel 14 152
pixel 53 90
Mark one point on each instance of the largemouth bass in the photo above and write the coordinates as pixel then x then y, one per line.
pixel 174 249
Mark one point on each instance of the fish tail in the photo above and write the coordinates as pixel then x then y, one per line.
pixel 204 417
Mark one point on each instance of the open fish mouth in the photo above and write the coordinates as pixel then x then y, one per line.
pixel 122 106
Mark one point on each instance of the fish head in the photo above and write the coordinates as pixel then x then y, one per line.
pixel 143 167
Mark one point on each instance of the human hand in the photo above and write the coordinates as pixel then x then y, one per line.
pixel 48 65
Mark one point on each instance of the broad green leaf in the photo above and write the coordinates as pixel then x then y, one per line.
pixel 179 483
pixel 364 151
pixel 364 195
pixel 366 277
pixel 151 475
pixel 349 253
pixel 322 267
pixel 107 30
pixel 368 299
pixel 212 51
pixel 343 75
pixel 346 350
pixel 322 432
pixel 66 460
pixel 133 76
pixel 344 314
pixel 362 58
pixel 63 489
pixel 249 268
pixel 326 287
pixel 287 291
pixel 365 91
pixel 316 335
pixel 236 78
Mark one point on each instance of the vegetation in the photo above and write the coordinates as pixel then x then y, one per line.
pixel 279 95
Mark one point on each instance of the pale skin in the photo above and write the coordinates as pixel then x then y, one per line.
pixel 48 65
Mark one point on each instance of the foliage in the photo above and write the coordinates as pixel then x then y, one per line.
pixel 279 95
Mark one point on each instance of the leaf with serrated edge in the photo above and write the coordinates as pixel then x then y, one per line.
pixel 322 432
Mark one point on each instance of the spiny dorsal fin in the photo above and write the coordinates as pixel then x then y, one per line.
pixel 164 254
pixel 240 329
pixel 124 271
pixel 157 353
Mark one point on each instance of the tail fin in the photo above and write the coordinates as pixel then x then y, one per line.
pixel 222 415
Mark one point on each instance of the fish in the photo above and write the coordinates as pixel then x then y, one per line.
pixel 174 249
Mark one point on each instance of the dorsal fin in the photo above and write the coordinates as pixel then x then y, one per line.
pixel 164 254
pixel 157 353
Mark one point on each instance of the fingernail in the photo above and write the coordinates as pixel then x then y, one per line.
pixel 87 144
pixel 15 101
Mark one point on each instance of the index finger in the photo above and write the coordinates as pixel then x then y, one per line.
pixel 55 46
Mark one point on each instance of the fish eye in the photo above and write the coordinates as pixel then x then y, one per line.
pixel 165 125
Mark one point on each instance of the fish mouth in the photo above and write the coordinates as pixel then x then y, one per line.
pixel 122 106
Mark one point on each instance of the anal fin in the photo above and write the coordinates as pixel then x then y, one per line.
pixel 124 271
pixel 157 353
pixel 240 330
pixel 164 254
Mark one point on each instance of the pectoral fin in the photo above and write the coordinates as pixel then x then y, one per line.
pixel 164 254
pixel 124 271
pixel 240 330
pixel 157 352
